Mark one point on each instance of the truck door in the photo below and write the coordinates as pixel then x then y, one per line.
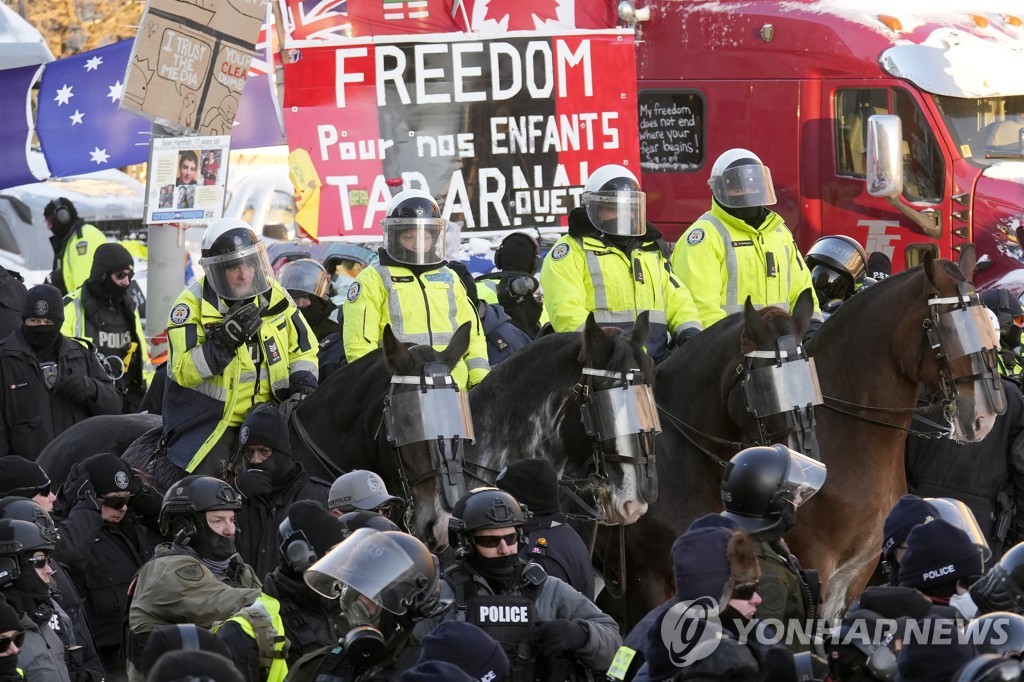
pixel 847 208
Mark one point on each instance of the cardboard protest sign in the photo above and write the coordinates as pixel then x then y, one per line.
pixel 186 179
pixel 189 63
pixel 502 130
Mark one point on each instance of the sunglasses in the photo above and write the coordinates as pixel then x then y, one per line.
pixel 38 561
pixel 745 591
pixel 117 503
pixel 17 640
pixel 492 541
pixel 123 274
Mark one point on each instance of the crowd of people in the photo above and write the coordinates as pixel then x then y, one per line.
pixel 246 567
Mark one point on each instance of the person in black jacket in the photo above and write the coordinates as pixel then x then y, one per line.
pixel 987 476
pixel 103 543
pixel 50 382
pixel 272 480
pixel 11 633
pixel 12 300
pixel 550 541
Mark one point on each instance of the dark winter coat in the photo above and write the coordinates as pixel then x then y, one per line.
pixel 30 415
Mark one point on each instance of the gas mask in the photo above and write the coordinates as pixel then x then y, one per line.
pixel 364 643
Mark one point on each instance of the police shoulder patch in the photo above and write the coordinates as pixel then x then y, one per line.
pixel 353 292
pixel 192 573
pixel 695 237
pixel 560 251
pixel 180 313
pixel 82 247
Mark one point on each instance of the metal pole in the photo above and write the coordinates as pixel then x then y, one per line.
pixel 165 278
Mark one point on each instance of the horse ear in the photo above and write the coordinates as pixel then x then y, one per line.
pixel 396 354
pixel 968 260
pixel 802 312
pixel 641 328
pixel 929 268
pixel 597 346
pixel 754 326
pixel 457 347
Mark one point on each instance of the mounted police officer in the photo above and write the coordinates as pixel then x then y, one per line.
pixel 101 313
pixel 74 244
pixel 1010 315
pixel 271 482
pixel 549 630
pixel 412 289
pixel 838 264
pixel 762 488
pixel 513 285
pixel 289 620
pixel 613 263
pixel 386 583
pixel 740 248
pixel 236 339
pixel 198 577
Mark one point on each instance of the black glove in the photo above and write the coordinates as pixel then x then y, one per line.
pixel 80 490
pixel 78 388
pixel 559 635
pixel 253 484
pixel 241 322
pixel 145 501
pixel 683 335
pixel 289 404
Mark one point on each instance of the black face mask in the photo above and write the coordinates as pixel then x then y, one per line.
pixel 499 569
pixel 751 215
pixel 1011 339
pixel 316 311
pixel 211 545
pixel 276 467
pixel 112 290
pixel 42 336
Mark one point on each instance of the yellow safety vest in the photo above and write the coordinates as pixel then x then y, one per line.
pixel 262 621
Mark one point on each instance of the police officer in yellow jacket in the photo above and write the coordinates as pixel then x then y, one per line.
pixel 741 248
pixel 74 244
pixel 236 339
pixel 412 289
pixel 611 263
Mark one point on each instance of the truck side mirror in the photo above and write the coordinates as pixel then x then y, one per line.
pixel 884 162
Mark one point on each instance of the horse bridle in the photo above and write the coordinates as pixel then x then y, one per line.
pixel 625 409
pixel 951 335
pixel 788 385
pixel 438 415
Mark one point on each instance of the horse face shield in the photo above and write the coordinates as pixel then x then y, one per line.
pixel 436 413
pixel 966 331
pixel 625 411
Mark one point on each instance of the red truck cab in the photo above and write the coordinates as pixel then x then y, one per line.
pixel 796 82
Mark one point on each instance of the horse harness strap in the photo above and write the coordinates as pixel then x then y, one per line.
pixel 310 444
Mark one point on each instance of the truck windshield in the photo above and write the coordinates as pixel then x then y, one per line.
pixel 986 130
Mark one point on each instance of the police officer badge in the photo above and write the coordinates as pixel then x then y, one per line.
pixel 353 292
pixel 695 237
pixel 41 308
pixel 121 480
pixel 243 435
pixel 560 251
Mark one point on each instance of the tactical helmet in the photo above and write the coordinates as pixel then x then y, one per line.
pixel 307 277
pixel 615 188
pixel 760 481
pixel 740 180
pixel 999 632
pixel 837 264
pixel 1008 309
pixel 482 508
pixel 414 211
pixel 193 495
pixel 230 243
pixel 393 569
pixel 24 509
pixel 989 668
pixel 18 540
pixel 1002 587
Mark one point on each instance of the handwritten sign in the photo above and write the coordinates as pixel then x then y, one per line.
pixel 671 130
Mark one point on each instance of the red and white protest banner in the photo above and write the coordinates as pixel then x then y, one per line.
pixel 502 130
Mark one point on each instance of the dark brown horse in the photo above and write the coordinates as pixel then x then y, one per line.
pixel 873 357
pixel 704 423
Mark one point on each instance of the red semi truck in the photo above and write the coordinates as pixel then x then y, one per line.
pixel 796 82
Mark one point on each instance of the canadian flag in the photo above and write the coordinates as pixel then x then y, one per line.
pixel 498 16
pixel 397 17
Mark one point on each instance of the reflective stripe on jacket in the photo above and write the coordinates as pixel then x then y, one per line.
pixel 424 308
pixel 75 328
pixel 264 609
pixel 722 260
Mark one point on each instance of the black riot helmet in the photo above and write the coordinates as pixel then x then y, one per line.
pixel 305 276
pixel 989 668
pixel 194 495
pixel 393 569
pixel 837 264
pixel 18 541
pixel 414 229
pixel 1008 311
pixel 1000 633
pixel 24 509
pixel 230 243
pixel 482 508
pixel 762 483
pixel 1002 587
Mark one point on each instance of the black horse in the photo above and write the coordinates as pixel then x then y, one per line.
pixel 533 404
pixel 705 422
pixel 103 433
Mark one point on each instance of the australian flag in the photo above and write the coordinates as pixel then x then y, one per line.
pixel 15 133
pixel 79 125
